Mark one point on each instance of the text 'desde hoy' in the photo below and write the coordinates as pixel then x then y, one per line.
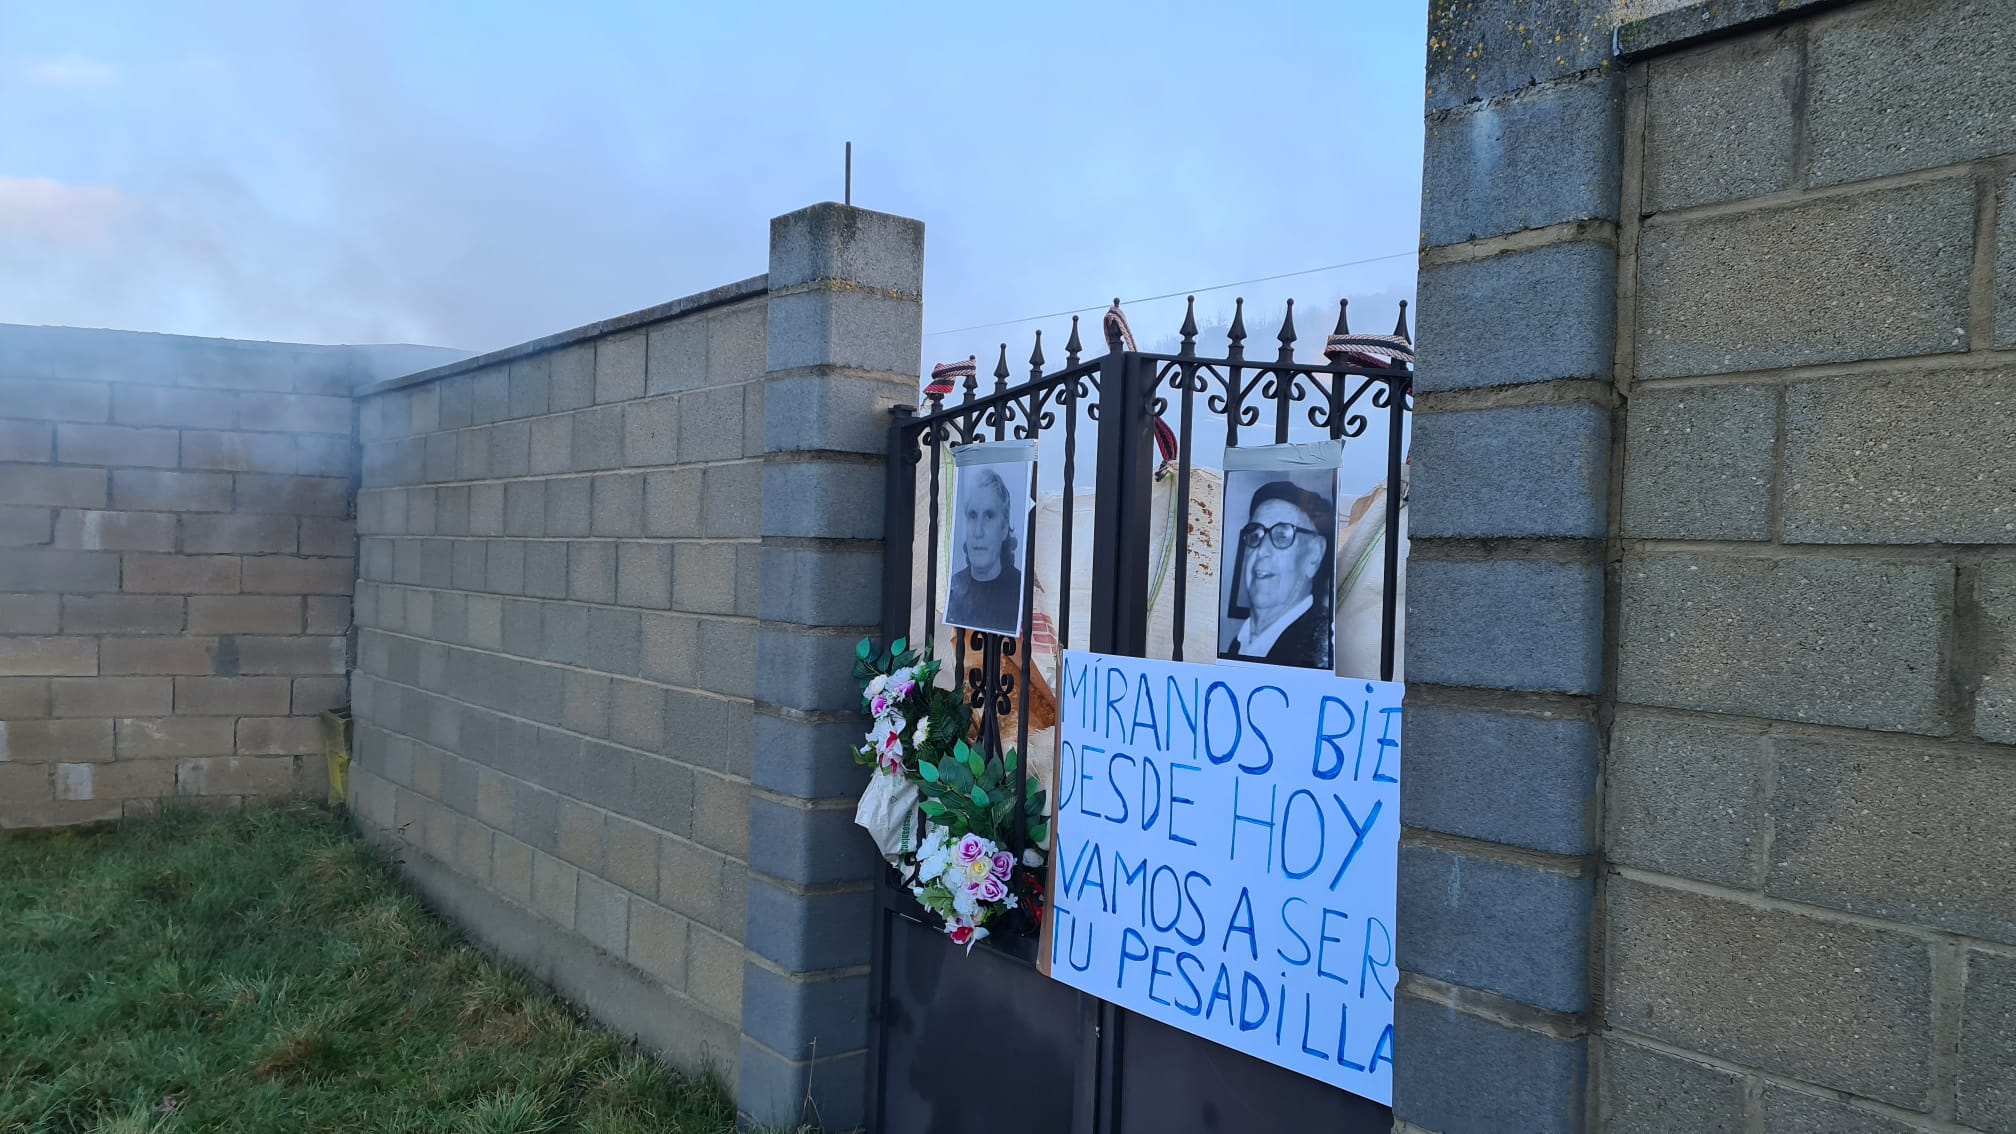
pixel 1227 841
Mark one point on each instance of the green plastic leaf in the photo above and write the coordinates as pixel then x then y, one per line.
pixel 928 771
pixel 864 649
pixel 1039 832
pixel 932 807
pixel 1008 759
pixel 979 795
pixel 900 645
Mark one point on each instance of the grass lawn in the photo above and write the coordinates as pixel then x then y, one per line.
pixel 261 971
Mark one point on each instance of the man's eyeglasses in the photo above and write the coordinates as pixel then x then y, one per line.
pixel 1280 535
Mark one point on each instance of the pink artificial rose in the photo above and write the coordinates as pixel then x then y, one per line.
pixel 1003 863
pixel 990 889
pixel 970 849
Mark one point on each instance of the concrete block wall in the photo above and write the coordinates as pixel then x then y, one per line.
pixel 176 553
pixel 609 586
pixel 1811 906
pixel 1710 736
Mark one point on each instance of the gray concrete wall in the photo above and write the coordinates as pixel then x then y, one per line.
pixel 609 588
pixel 176 555
pixel 1710 777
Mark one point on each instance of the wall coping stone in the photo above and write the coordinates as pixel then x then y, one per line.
pixel 670 309
pixel 1704 20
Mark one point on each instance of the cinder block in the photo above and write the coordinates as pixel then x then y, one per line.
pixel 598 438
pixel 231 696
pixel 801 670
pixel 294 495
pixel 644 574
pixel 535 816
pixel 2005 267
pixel 809 846
pixel 1995 691
pixel 1720 122
pixel 44 657
pixel 1795 286
pixel 714 972
pixel 530 384
pixel 235 534
pixel 552 444
pixel 572 372
pixel 451 511
pixel 637 715
pixel 651 433
pixel 617 507
pixel 1987 1079
pixel 1505 624
pixel 281 574
pixel 619 369
pixel 1831 641
pixel 293 413
pixel 780 1092
pixel 26 441
pixel 1684 796
pixel 730 649
pixel 111 696
pixel 442 456
pixel 1649 1092
pixel 453 398
pixel 469 569
pixel 316 455
pixel 313 695
pixel 39 614
pixel 48 742
pixel 525 507
pixel 34 570
pixel 472 850
pixel 118 445
pixel 521 627
pixel 1541 156
pixel 829 242
pixel 1518 317
pixel 721 814
pixel 181 574
pixel 156 655
pixel 1870 71
pixel 224 451
pixel 658 943
pixel 264 776
pixel 554 884
pixel 602 914
pixel 327 614
pixel 1510 928
pixel 53 487
pixel 677 356
pixel 1839 444
pixel 566 634
pixel 710 424
pixel 632 861
pixel 802 1018
pixel 511 449
pixel 473 459
pixel 1910 811
pixel 157 405
pixel 506 570
pixel 144 490
pixel 820 499
pixel 511 869
pixel 672 502
pixel 794 756
pixel 1523 778
pixel 25 527
pixel 489 401
pixel 809 932
pixel 1851 1005
pixel 733 500
pixel 726 724
pixel 279 736
pixel 670 651
pixel 591 571
pixel 693 881
pixel 1698 462
pixel 1475 53
pixel 244 614
pixel 662 795
pixel 307 655
pixel 818 587
pixel 585 703
pixel 1506 1071
pixel 1788 1111
pixel 125 779
pixel 21 698
pixel 1518 471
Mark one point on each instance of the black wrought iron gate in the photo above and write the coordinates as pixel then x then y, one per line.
pixel 974 1043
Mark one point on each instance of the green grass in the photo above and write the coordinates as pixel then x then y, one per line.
pixel 261 971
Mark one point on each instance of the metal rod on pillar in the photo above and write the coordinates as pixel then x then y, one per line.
pixel 847 188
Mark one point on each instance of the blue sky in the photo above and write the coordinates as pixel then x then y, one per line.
pixel 474 175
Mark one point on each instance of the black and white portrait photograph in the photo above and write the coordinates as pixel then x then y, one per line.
pixel 990 517
pixel 1276 588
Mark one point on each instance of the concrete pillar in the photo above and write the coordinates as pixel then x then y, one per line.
pixel 1506 580
pixel 844 333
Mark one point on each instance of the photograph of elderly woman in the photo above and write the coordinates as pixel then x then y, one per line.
pixel 1279 529
pixel 991 508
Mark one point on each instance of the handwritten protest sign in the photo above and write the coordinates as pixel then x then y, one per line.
pixel 1227 839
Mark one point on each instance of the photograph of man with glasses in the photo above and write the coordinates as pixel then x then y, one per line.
pixel 1277 607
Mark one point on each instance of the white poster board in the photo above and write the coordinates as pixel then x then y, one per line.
pixel 1227 844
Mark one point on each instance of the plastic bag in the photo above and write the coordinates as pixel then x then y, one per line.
pixel 888 811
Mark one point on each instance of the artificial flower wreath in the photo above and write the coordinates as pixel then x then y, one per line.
pixel 956 862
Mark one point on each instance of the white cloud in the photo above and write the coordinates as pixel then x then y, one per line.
pixel 48 211
pixel 69 71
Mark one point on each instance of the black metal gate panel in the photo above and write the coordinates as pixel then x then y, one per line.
pixel 1056 1059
